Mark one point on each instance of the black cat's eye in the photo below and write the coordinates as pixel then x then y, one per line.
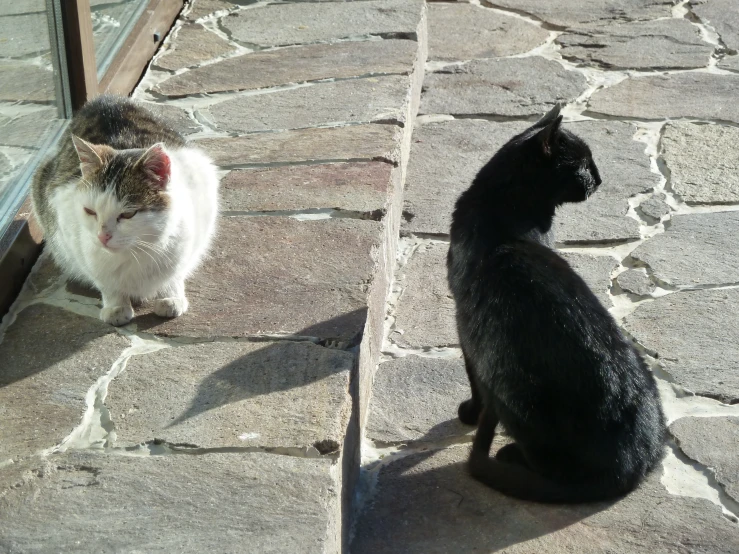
pixel 127 215
pixel 88 211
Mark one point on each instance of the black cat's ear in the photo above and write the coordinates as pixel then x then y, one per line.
pixel 551 115
pixel 546 136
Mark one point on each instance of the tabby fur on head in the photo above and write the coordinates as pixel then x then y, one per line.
pixel 127 206
pixel 543 356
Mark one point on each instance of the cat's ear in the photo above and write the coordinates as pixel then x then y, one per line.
pixel 546 136
pixel 156 165
pixel 92 156
pixel 551 115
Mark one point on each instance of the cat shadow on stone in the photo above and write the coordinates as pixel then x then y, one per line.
pixel 428 503
pixel 279 366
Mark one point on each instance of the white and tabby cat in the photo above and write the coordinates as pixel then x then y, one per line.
pixel 127 206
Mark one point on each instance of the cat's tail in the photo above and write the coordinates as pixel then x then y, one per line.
pixel 522 483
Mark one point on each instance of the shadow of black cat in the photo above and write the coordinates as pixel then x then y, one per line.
pixel 425 502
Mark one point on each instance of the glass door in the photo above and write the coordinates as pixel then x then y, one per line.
pixel 34 98
pixel 112 22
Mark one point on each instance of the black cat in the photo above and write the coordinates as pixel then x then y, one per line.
pixel 544 357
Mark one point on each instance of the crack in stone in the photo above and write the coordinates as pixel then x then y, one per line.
pixel 521 14
pixel 96 429
pixel 532 118
pixel 325 161
pixel 158 447
pixel 243 92
pixel 414 446
pixel 683 476
pixel 438 237
pixel 311 214
pixel 601 243
pixel 391 351
pixel 636 121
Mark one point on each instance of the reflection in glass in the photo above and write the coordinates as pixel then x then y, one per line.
pixel 112 21
pixel 32 106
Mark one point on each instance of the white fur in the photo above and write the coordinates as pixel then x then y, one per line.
pixel 151 254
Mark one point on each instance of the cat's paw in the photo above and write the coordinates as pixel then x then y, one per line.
pixel 170 307
pixel 468 412
pixel 117 315
pixel 511 454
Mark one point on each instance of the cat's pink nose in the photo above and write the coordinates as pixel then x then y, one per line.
pixel 104 237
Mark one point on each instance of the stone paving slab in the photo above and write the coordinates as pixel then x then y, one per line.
pixel 6 164
pixel 692 95
pixel 566 13
pixel 636 281
pixel 595 271
pixel 23 36
pixel 175 116
pixel 90 502
pixel 360 187
pixel 693 250
pixel 295 65
pixel 625 170
pixel 25 83
pixel 428 503
pixel 235 394
pixel 276 25
pixel 193 45
pixel 203 8
pixel 307 278
pixel 465 31
pixel 354 142
pixel 729 63
pixel 713 442
pixel 521 87
pixel 722 16
pixel 50 359
pixel 445 157
pixel 415 398
pixel 425 315
pixel 27 6
pixel 28 131
pixel 602 218
pixel 665 44
pixel 654 207
pixel 689 332
pixel 353 101
pixel 703 162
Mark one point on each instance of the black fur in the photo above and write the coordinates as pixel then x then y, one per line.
pixel 544 357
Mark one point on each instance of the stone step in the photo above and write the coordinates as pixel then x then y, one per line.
pixel 236 426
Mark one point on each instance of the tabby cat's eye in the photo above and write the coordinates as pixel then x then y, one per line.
pixel 88 211
pixel 127 215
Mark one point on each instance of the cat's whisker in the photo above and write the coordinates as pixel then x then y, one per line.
pixel 135 258
pixel 142 248
pixel 155 248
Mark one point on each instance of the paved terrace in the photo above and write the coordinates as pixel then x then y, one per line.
pixel 309 397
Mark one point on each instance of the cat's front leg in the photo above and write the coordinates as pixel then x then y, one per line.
pixel 469 410
pixel 117 309
pixel 171 300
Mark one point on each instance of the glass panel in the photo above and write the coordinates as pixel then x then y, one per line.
pixel 32 101
pixel 112 21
